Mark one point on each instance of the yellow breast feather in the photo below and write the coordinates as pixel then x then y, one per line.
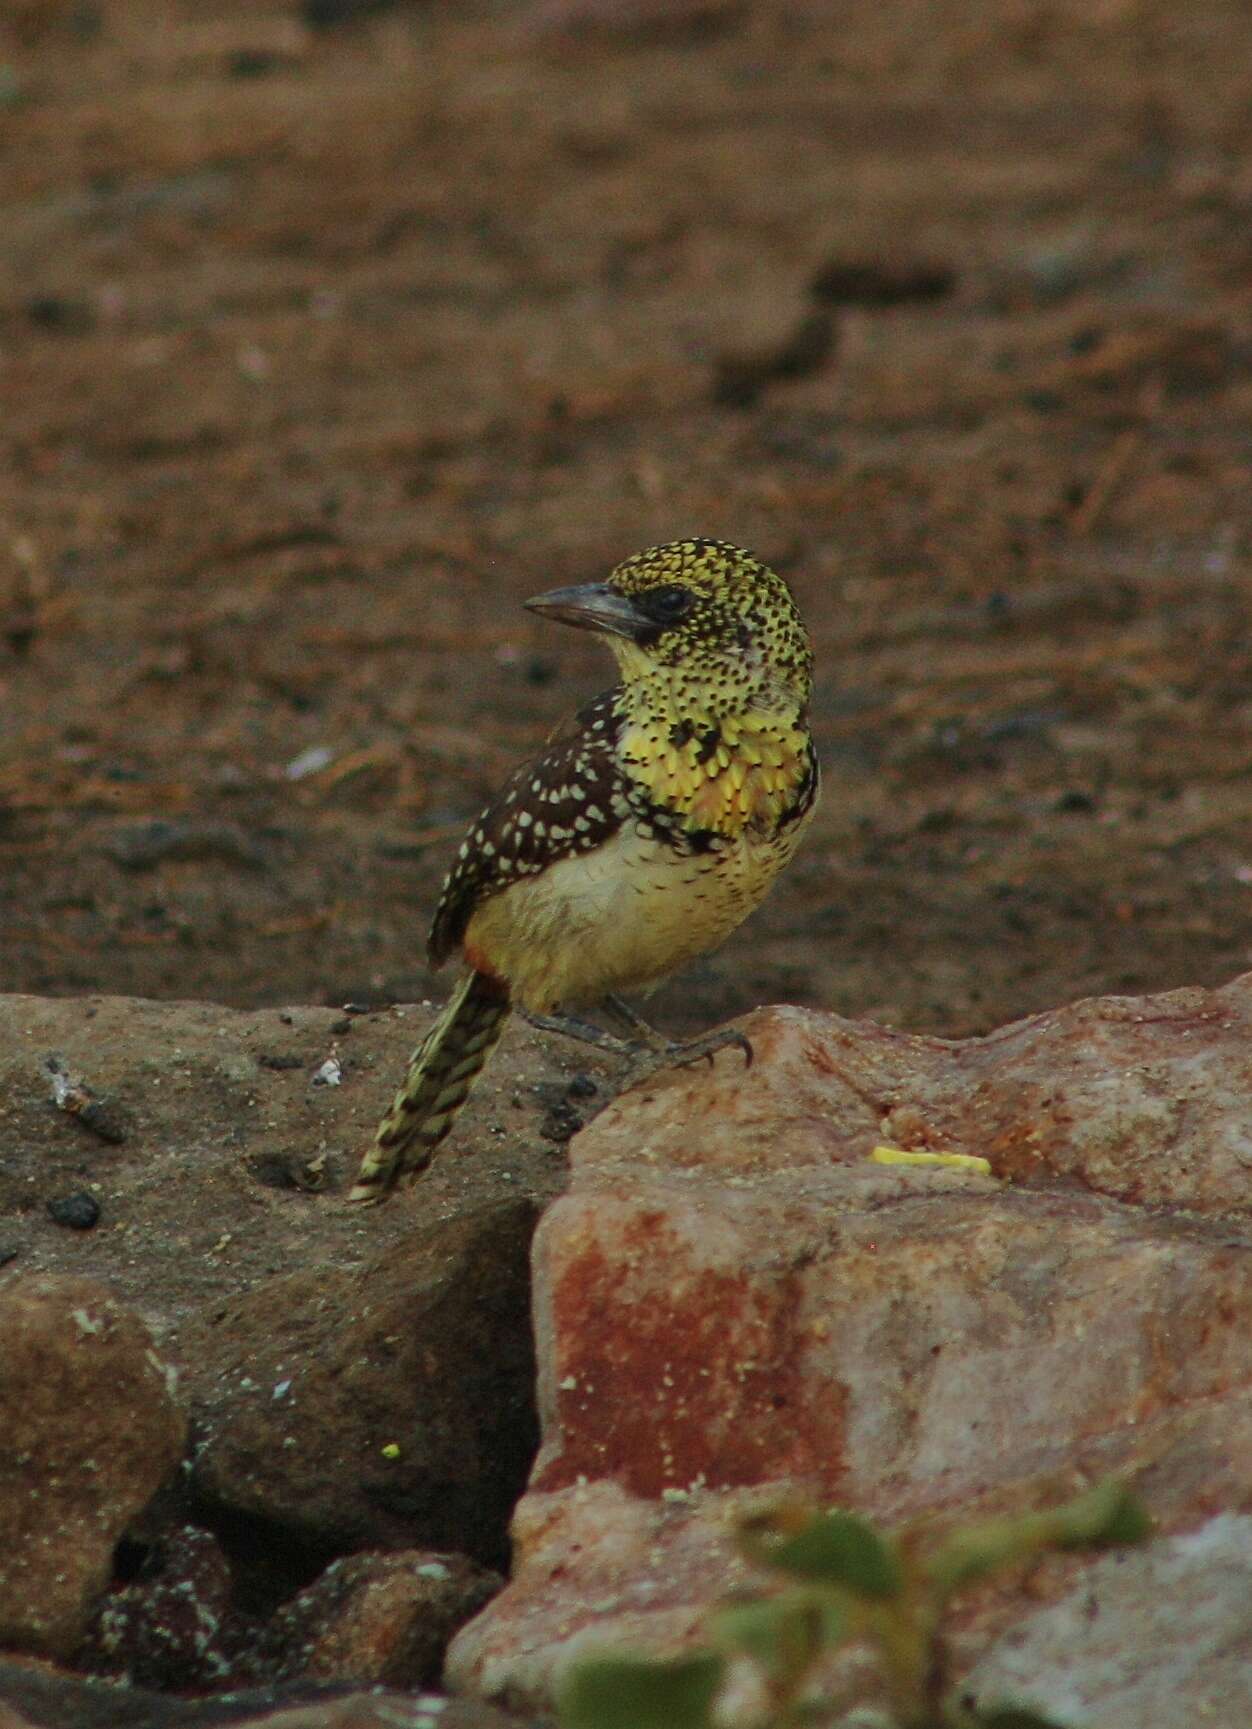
pixel 744 770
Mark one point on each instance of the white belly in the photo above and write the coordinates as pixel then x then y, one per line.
pixel 620 918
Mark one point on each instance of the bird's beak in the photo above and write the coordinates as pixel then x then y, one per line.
pixel 590 606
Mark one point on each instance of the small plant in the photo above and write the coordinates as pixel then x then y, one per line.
pixel 836 1580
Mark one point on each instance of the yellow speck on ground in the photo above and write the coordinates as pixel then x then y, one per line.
pixel 390 1451
pixel 949 1161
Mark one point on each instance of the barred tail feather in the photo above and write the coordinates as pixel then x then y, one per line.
pixel 442 1070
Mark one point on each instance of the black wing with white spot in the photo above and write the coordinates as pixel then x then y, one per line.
pixel 567 801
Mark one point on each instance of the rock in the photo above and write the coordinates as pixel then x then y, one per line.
pixel 386 1405
pixel 91 1430
pixel 734 1297
pixel 1139 1099
pixel 379 1618
pixel 422 1318
pixel 1149 1640
pixel 42 1698
pixel 172 1626
pixel 77 1212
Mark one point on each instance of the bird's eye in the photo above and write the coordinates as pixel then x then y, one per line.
pixel 665 605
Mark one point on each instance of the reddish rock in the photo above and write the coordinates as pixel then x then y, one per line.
pixel 91 1429
pixel 1140 1099
pixel 733 1296
pixel 379 1618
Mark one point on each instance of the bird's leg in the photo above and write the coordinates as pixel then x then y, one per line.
pixel 678 1053
pixel 648 1048
pixel 644 1034
pixel 586 1032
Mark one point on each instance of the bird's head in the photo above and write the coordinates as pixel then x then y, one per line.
pixel 701 615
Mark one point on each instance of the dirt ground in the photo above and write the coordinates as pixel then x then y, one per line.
pixel 322 345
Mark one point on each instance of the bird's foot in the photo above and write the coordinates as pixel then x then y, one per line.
pixel 648 1050
pixel 677 1053
pixel 683 1053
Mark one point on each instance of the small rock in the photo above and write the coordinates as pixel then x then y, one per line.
pixel 561 1123
pixel 380 1618
pixel 171 1626
pixel 91 1430
pixel 77 1212
pixel 309 762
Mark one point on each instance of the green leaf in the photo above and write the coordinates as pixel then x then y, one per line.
pixel 839 1549
pixel 623 1692
pixel 782 1635
pixel 1105 1517
pixel 1102 1517
pixel 981 1549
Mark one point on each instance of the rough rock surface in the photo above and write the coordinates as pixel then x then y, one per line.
pixel 732 1295
pixel 391 1347
pixel 221 1217
pixel 1152 1640
pixel 174 1624
pixel 91 1429
pixel 42 1698
pixel 380 1618
pixel 369 1405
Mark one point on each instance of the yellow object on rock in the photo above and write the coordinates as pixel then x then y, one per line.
pixel 950 1161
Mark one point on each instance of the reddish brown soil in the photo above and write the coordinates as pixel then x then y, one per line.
pixel 322 348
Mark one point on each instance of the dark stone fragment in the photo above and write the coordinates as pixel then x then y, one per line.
pixel 561 1124
pixel 77 1212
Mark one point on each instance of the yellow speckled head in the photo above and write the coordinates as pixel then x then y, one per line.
pixel 711 610
pixel 701 617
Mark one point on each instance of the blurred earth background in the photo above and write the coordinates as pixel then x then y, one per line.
pixel 328 334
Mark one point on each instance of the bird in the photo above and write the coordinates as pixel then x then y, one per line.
pixel 642 835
